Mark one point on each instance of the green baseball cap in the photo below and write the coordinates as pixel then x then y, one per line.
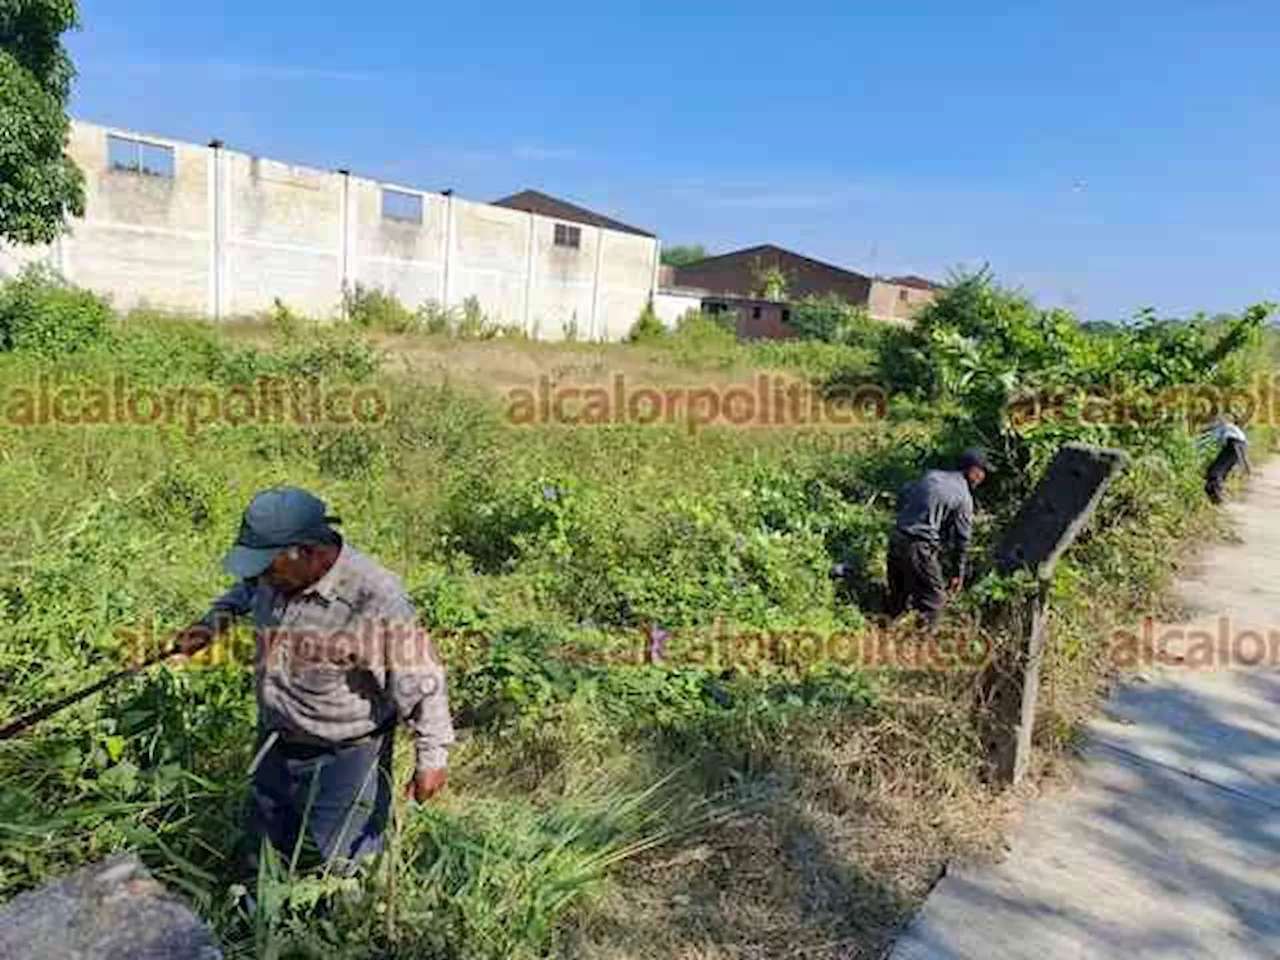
pixel 275 520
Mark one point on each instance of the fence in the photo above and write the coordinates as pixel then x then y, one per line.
pixel 211 231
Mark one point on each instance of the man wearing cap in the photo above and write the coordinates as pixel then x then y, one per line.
pixel 340 659
pixel 936 508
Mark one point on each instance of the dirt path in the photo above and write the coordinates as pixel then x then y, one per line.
pixel 1167 844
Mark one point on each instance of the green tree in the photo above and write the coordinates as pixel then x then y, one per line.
pixel 771 281
pixel 39 183
pixel 683 255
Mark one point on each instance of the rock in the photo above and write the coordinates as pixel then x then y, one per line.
pixel 114 910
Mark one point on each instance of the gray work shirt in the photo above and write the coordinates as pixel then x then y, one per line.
pixel 344 658
pixel 936 507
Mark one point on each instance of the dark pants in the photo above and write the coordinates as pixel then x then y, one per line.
pixel 1226 461
pixel 335 798
pixel 915 578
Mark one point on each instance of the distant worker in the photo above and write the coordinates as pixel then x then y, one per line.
pixel 1233 449
pixel 340 658
pixel 936 508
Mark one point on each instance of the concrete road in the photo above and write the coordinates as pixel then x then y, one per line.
pixel 1167 843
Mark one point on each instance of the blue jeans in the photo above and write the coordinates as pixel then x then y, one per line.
pixel 333 798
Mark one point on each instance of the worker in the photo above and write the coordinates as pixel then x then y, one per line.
pixel 1233 449
pixel 936 508
pixel 340 658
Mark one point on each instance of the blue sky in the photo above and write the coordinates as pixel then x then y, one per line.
pixel 1104 157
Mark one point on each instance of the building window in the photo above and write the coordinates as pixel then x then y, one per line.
pixel 401 207
pixel 786 315
pixel 567 236
pixel 138 156
pixel 902 296
pixel 755 313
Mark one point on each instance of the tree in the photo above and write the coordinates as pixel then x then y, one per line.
pixel 39 184
pixel 771 281
pixel 682 256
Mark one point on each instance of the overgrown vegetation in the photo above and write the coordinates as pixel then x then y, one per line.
pixel 601 805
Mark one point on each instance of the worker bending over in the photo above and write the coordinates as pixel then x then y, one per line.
pixel 1233 449
pixel 935 509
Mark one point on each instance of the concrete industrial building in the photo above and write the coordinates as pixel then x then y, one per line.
pixel 214 232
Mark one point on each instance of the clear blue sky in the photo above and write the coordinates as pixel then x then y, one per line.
pixel 1103 156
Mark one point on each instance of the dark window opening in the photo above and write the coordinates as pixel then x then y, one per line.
pixel 137 156
pixel 400 206
pixel 755 313
pixel 567 236
pixel 902 296
pixel 786 316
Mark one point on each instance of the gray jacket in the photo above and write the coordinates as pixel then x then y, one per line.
pixel 938 507
pixel 344 658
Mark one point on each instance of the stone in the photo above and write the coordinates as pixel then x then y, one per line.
pixel 113 910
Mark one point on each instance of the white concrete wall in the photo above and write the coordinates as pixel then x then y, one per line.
pixel 671 305
pixel 229 233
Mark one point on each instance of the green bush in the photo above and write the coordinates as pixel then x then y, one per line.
pixel 42 314
pixel 647 326
pixel 473 324
pixel 833 320
pixel 698 329
pixel 375 309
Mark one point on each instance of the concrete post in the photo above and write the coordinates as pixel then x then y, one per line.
pixel 445 291
pixel 595 288
pixel 216 266
pixel 1045 526
pixel 344 241
pixel 528 274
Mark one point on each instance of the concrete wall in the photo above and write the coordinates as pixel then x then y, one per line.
pixel 228 233
pixel 671 305
pixel 891 301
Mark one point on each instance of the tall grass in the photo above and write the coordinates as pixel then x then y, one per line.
pixel 585 777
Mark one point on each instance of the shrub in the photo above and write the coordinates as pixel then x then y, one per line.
pixel 473 324
pixel 375 309
pixel 834 320
pixel 43 314
pixel 698 328
pixel 284 323
pixel 647 326
pixel 433 318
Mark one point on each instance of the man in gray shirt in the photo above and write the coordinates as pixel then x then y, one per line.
pixel 340 659
pixel 936 508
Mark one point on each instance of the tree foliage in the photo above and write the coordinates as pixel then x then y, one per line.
pixel 771 281
pixel 992 362
pixel 39 183
pixel 834 320
pixel 683 255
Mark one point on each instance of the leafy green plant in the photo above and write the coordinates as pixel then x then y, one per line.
pixel 473 324
pixel 683 256
pixel 647 326
pixel 40 313
pixel 375 309
pixel 42 185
